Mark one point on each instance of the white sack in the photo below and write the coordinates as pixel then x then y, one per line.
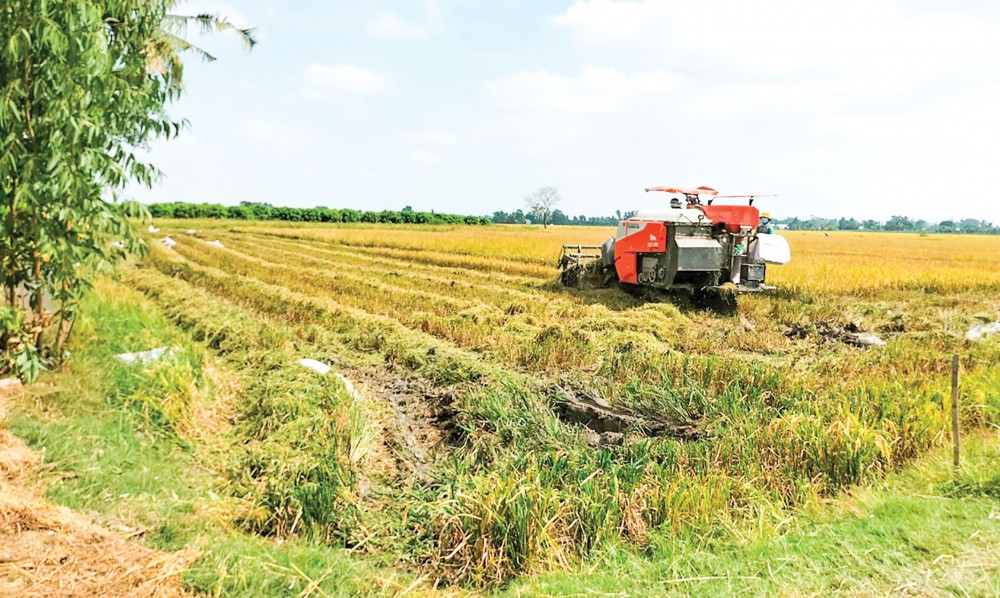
pixel 980 331
pixel 771 249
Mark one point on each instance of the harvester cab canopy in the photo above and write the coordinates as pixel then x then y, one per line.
pixel 693 194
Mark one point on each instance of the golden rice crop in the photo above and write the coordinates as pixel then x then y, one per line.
pixel 780 409
pixel 822 262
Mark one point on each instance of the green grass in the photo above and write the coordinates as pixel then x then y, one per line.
pixel 913 533
pixel 136 474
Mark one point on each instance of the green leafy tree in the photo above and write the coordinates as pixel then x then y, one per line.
pixel 83 84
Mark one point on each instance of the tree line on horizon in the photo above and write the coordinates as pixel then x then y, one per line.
pixel 264 211
pixel 893 224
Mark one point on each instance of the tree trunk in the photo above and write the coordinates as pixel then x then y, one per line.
pixel 65 326
pixel 38 299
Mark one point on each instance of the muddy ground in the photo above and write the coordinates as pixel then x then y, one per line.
pixel 606 424
pixel 419 423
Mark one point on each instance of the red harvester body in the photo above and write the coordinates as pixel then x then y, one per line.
pixel 691 245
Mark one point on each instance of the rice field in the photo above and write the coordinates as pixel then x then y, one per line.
pixel 461 452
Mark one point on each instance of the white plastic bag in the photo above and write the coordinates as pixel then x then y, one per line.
pixel 771 249
pixel 317 366
pixel 145 357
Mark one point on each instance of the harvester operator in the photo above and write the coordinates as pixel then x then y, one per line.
pixel 765 224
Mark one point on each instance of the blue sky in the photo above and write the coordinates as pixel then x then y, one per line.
pixel 858 108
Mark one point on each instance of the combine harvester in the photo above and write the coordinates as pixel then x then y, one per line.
pixel 712 252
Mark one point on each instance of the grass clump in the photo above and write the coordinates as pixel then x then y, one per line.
pixel 296 466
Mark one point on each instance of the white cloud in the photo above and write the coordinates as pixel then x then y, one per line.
pixel 425 158
pixel 434 137
pixel 319 80
pixel 959 122
pixel 745 59
pixel 925 155
pixel 389 26
pixel 783 36
pixel 603 20
pixel 547 117
pixel 274 135
pixel 434 10
pixel 596 89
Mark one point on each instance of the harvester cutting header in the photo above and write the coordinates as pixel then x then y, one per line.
pixel 693 245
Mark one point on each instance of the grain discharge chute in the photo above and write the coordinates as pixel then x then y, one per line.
pixel 712 251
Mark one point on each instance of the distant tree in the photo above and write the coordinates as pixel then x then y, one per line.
pixel 899 223
pixel 947 226
pixel 972 226
pixel 817 223
pixel 239 213
pixel 542 202
pixel 408 209
pixel 848 224
pixel 212 210
pixel 558 217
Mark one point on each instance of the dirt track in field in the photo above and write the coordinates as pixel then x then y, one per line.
pixel 421 425
pixel 51 551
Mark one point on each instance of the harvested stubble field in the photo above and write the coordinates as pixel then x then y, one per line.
pixel 464 455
